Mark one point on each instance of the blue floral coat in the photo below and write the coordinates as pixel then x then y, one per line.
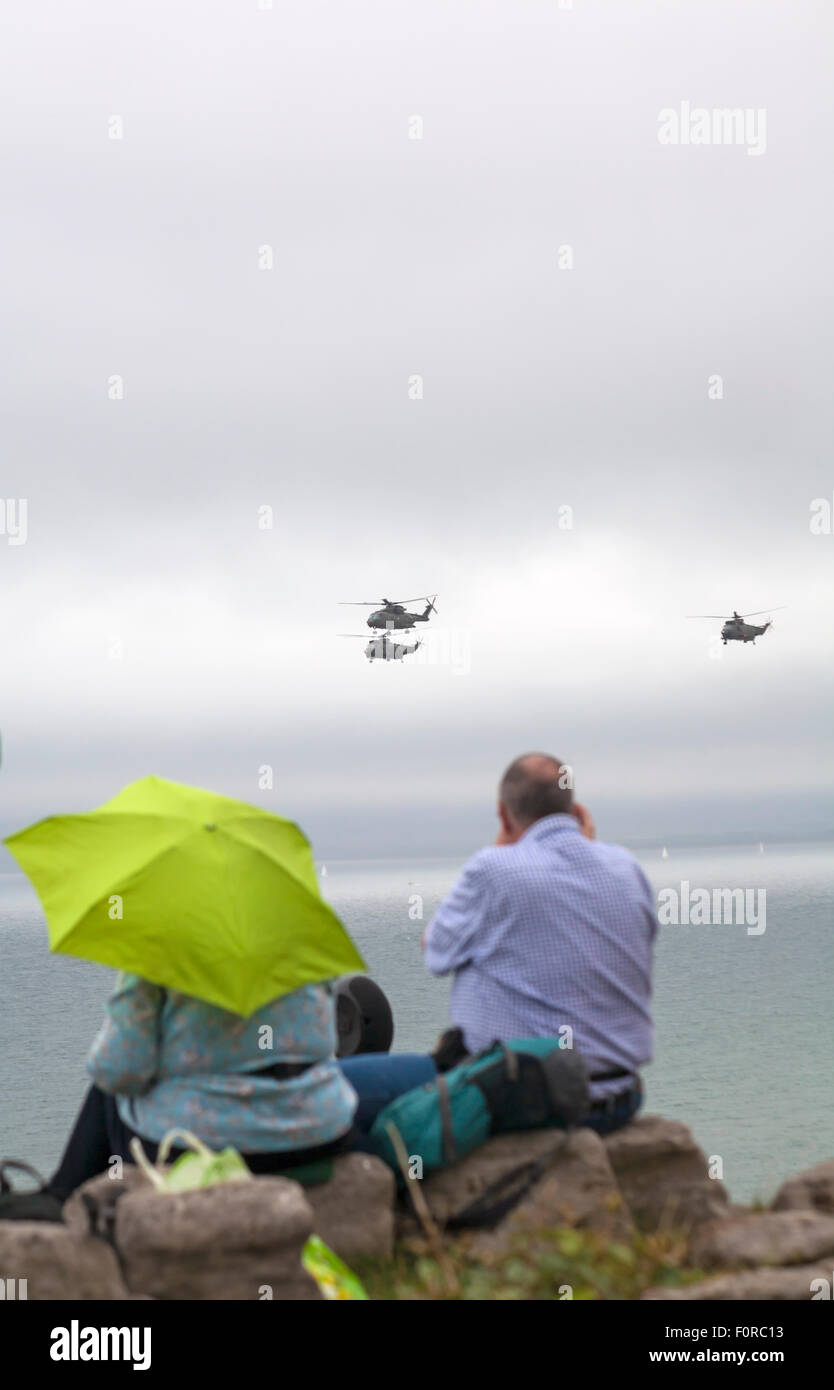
pixel 175 1062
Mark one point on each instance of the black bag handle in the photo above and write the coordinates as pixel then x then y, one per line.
pixel 5 1185
pixel 490 1206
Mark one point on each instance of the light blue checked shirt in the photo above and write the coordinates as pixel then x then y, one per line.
pixel 554 930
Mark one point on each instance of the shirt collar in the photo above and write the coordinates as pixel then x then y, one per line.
pixel 550 825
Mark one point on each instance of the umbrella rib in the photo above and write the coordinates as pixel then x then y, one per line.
pixel 233 918
pixel 259 849
pixel 146 864
pixel 190 829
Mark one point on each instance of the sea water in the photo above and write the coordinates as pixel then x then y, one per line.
pixel 744 1017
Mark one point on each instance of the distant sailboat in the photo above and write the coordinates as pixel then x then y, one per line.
pixel 665 854
pixel 323 871
pixel 761 847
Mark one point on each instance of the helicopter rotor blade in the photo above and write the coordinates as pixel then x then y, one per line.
pixel 756 614
pixel 386 602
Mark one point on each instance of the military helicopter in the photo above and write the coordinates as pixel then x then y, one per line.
pixel 735 629
pixel 393 614
pixel 385 648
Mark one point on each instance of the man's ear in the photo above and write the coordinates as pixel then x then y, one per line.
pixel 506 824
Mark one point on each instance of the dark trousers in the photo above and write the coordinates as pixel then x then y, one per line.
pixel 100 1135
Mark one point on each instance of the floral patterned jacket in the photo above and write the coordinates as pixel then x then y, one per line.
pixel 175 1062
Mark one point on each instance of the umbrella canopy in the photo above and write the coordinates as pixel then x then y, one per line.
pixel 193 891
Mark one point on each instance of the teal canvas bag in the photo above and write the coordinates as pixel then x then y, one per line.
pixel 529 1083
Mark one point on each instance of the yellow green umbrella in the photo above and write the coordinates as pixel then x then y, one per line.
pixel 193 891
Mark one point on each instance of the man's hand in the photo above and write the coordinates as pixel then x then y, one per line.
pixel 583 816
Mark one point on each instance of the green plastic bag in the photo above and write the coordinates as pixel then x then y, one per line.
pixel 202 1167
pixel 331 1274
pixel 199 1167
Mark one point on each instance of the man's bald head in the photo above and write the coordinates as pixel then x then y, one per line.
pixel 536 785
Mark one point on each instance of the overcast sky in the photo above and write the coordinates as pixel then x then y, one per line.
pixel 151 624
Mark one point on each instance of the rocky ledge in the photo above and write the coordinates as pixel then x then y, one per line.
pixel 120 1239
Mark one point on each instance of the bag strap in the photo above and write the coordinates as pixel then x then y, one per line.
pixel 140 1158
pixel 512 1063
pixel 5 1185
pixel 490 1206
pixel 450 1148
pixel 191 1142
pixel 153 1171
pixel 510 1058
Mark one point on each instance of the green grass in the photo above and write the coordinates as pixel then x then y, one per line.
pixel 555 1265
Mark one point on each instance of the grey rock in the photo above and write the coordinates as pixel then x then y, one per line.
pixel 765 1238
pixel 353 1212
pixel 663 1176
pixel 577 1188
pixel 814 1188
pixel 239 1240
pixel 102 1191
pixel 58 1263
pixel 794 1284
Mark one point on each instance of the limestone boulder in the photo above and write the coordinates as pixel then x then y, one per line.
pixel 663 1174
pixel 239 1240
pixel 85 1212
pixel 579 1189
pixel 796 1283
pixel 353 1212
pixel 764 1238
pixel 58 1263
pixel 576 1188
pixel 814 1188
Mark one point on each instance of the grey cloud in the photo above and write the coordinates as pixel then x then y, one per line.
pixel 543 388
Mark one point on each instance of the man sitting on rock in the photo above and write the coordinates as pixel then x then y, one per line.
pixel 548 933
